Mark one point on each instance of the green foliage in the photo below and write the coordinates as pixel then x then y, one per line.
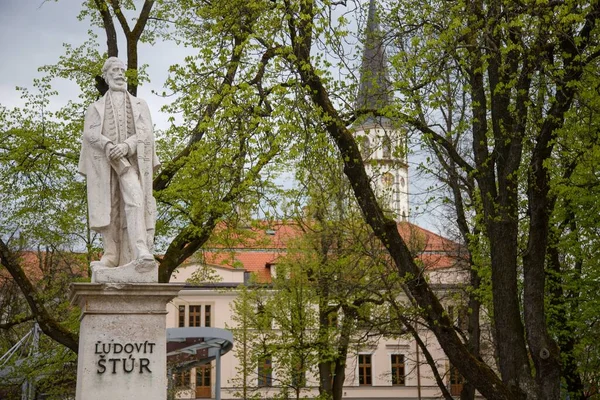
pixel 573 308
pixel 493 88
pixel 44 202
pixel 250 338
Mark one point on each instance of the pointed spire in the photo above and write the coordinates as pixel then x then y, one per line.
pixel 373 92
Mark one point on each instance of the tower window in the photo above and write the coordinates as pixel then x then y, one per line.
pixel 365 147
pixel 387 147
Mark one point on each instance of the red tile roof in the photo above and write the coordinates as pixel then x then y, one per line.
pixel 257 262
pixel 261 245
pixel 42 264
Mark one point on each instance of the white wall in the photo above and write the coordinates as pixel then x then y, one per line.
pixel 221 300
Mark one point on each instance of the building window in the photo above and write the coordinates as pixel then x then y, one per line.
pixel 195 313
pixel 298 378
pixel 459 316
pixel 181 316
pixel 182 379
pixel 207 316
pixel 263 317
pixel 299 375
pixel 333 318
pixel 456 381
pixel 265 371
pixel 364 369
pixel 398 369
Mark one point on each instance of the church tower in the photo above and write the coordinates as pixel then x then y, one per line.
pixel 383 145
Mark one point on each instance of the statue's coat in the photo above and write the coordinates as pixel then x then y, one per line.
pixel 95 166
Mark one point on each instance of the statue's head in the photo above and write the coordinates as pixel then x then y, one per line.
pixel 113 73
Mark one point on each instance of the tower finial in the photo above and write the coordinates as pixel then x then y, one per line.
pixel 373 92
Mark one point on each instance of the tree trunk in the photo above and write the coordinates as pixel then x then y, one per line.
pixel 386 230
pixel 47 323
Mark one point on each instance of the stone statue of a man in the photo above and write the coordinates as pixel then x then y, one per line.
pixel 118 158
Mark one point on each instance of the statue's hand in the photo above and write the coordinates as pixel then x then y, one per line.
pixel 108 149
pixel 118 151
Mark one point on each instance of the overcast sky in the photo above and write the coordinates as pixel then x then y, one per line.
pixel 32 33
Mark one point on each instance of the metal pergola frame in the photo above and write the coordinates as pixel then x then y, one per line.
pixel 189 344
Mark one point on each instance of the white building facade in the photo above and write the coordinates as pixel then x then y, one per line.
pixel 383 368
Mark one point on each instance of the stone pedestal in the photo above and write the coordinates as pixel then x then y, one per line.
pixel 122 340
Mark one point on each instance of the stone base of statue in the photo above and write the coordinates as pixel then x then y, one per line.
pixel 122 340
pixel 137 271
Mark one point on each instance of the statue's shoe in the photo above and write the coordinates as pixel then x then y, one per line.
pixel 142 270
pixel 146 257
